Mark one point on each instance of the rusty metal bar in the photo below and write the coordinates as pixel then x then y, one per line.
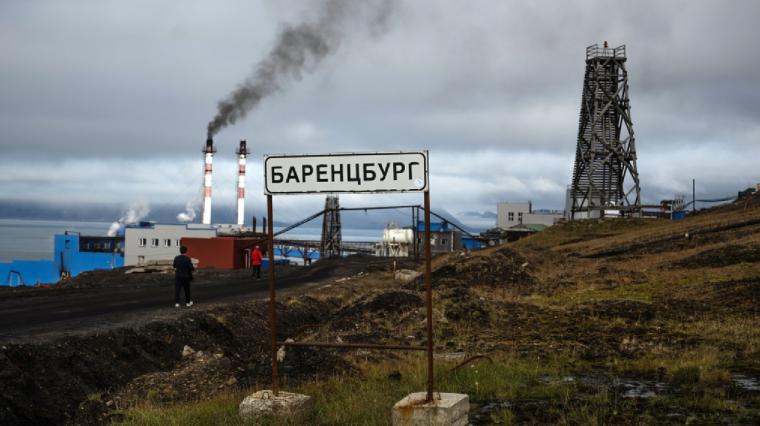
pixel 428 299
pixel 272 296
pixel 352 346
pixel 471 359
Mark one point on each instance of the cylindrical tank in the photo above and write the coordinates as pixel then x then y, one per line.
pixel 398 236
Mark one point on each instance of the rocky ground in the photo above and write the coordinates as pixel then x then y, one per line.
pixel 647 321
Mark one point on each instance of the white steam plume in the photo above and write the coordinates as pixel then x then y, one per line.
pixel 137 211
pixel 189 214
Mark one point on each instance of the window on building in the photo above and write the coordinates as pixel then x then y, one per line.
pixel 177 243
pixel 511 216
pixel 154 242
pixel 142 242
pixel 168 242
pixel 140 260
pixel 519 217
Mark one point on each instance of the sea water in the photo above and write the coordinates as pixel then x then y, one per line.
pixel 33 239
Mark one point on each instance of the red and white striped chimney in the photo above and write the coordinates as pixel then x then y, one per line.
pixel 208 152
pixel 242 153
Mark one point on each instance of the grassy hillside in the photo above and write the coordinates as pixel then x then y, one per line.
pixel 619 321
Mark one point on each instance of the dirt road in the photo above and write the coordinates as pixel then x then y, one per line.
pixel 112 298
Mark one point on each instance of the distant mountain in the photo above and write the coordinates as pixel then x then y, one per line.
pixel 165 213
pixel 479 215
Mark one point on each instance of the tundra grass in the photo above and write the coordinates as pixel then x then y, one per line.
pixel 367 398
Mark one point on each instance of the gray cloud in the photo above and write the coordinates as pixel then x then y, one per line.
pixel 492 89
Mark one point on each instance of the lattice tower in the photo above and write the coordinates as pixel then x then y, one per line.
pixel 604 175
pixel 331 229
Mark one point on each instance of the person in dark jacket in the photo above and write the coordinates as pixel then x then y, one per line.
pixel 183 274
pixel 256 259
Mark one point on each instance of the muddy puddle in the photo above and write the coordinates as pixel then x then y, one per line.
pixel 746 383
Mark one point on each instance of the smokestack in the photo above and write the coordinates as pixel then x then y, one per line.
pixel 242 153
pixel 208 152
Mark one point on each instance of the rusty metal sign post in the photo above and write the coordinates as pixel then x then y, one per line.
pixel 348 173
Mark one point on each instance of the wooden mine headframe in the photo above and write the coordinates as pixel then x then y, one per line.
pixel 331 230
pixel 604 175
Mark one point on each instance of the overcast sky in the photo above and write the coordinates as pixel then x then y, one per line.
pixel 108 101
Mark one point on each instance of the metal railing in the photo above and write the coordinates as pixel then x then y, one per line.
pixel 594 51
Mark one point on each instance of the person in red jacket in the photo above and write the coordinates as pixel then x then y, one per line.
pixel 256 258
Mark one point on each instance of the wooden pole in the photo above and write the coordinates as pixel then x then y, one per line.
pixel 272 296
pixel 429 299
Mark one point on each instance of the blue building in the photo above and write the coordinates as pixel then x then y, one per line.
pixel 470 243
pixel 445 238
pixel 72 255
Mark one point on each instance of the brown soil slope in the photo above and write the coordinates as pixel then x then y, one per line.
pixel 674 305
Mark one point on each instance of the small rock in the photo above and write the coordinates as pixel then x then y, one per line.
pixel 290 407
pixel 187 351
pixel 231 381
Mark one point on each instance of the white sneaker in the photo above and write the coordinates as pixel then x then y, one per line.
pixel 176 305
pixel 189 304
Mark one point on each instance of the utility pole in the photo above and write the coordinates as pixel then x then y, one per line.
pixel 693 196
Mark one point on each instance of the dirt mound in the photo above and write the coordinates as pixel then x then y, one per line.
pixel 460 304
pixel 723 256
pixel 502 268
pixel 374 318
pixel 45 383
pixel 199 374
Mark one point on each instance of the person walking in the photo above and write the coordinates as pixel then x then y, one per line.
pixel 183 274
pixel 256 259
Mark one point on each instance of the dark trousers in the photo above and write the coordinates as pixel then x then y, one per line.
pixel 256 271
pixel 182 283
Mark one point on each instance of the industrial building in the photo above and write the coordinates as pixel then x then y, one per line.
pixel 509 215
pixel 72 255
pixel 443 237
pixel 149 242
pixel 221 252
pixel 397 242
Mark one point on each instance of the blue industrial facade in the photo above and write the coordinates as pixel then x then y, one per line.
pixel 75 254
pixel 472 244
pixel 440 227
pixel 72 255
pixel 434 226
pixel 28 272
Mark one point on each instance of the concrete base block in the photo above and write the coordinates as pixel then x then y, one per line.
pixel 292 407
pixel 446 409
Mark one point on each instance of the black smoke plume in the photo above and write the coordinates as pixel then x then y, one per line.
pixel 299 48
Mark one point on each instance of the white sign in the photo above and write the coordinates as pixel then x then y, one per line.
pixel 370 172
